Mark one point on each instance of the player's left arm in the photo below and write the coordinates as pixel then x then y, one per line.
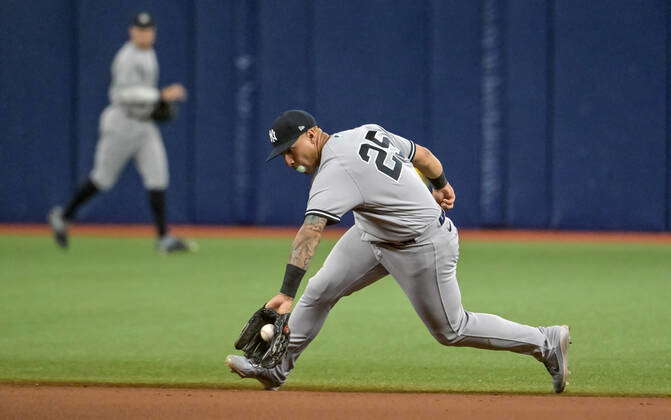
pixel 302 250
pixel 306 241
pixel 432 169
pixel 129 75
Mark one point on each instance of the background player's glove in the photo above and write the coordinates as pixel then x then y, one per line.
pixel 163 111
pixel 258 351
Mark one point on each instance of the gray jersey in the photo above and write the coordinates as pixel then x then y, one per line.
pixel 134 81
pixel 369 170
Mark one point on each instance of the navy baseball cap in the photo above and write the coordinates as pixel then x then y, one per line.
pixel 143 20
pixel 286 129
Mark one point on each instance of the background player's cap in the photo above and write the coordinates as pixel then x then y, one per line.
pixel 287 128
pixel 143 20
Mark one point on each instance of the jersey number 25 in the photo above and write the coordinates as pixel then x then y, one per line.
pixel 381 149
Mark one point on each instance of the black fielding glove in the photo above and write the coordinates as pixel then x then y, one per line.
pixel 163 111
pixel 266 354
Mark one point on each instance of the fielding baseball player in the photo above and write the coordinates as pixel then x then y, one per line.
pixel 128 131
pixel 400 229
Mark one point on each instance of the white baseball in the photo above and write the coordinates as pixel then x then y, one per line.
pixel 267 332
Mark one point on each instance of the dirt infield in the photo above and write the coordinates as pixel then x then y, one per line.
pixel 209 231
pixel 41 402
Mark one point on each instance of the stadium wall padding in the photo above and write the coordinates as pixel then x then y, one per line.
pixel 545 114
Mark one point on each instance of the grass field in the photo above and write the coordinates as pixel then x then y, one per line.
pixel 110 310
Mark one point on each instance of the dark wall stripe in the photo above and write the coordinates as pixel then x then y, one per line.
pixel 192 115
pixel 668 117
pixel 74 100
pixel 549 123
pixel 311 58
pixel 503 136
pixel 525 114
pixel 427 77
pixel 215 108
pixel 254 121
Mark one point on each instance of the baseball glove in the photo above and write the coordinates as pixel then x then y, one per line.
pixel 163 111
pixel 258 351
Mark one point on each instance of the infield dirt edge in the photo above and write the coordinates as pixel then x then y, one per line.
pixel 164 403
pixel 216 231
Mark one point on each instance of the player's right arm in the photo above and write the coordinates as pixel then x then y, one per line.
pixel 430 167
pixel 302 250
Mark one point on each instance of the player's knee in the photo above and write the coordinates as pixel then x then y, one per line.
pixel 101 182
pixel 447 336
pixel 450 333
pixel 313 299
pixel 156 184
pixel 319 293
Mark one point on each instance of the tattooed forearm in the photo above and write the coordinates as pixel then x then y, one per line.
pixel 306 241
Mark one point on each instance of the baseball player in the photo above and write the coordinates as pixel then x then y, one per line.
pixel 400 229
pixel 128 131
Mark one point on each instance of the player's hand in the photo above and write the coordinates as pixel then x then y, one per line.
pixel 281 303
pixel 445 197
pixel 174 92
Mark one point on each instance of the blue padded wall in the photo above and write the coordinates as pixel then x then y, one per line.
pixel 528 63
pixel 610 115
pixel 545 114
pixel 214 107
pixel 36 115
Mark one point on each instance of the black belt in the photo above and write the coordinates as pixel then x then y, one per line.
pixel 441 220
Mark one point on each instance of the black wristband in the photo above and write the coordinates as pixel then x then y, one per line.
pixel 439 182
pixel 292 279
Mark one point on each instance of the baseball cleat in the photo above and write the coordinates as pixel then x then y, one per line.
pixel 168 244
pixel 245 369
pixel 557 362
pixel 59 226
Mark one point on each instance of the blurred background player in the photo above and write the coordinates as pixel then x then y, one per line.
pixel 128 131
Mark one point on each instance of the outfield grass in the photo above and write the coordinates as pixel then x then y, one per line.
pixel 110 310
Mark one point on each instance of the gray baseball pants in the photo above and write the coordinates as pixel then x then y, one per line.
pixel 123 138
pixel 427 273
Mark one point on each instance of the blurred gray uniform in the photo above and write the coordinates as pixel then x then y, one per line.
pixel 399 230
pixel 126 129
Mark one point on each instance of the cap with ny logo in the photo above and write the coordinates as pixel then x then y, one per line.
pixel 287 128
